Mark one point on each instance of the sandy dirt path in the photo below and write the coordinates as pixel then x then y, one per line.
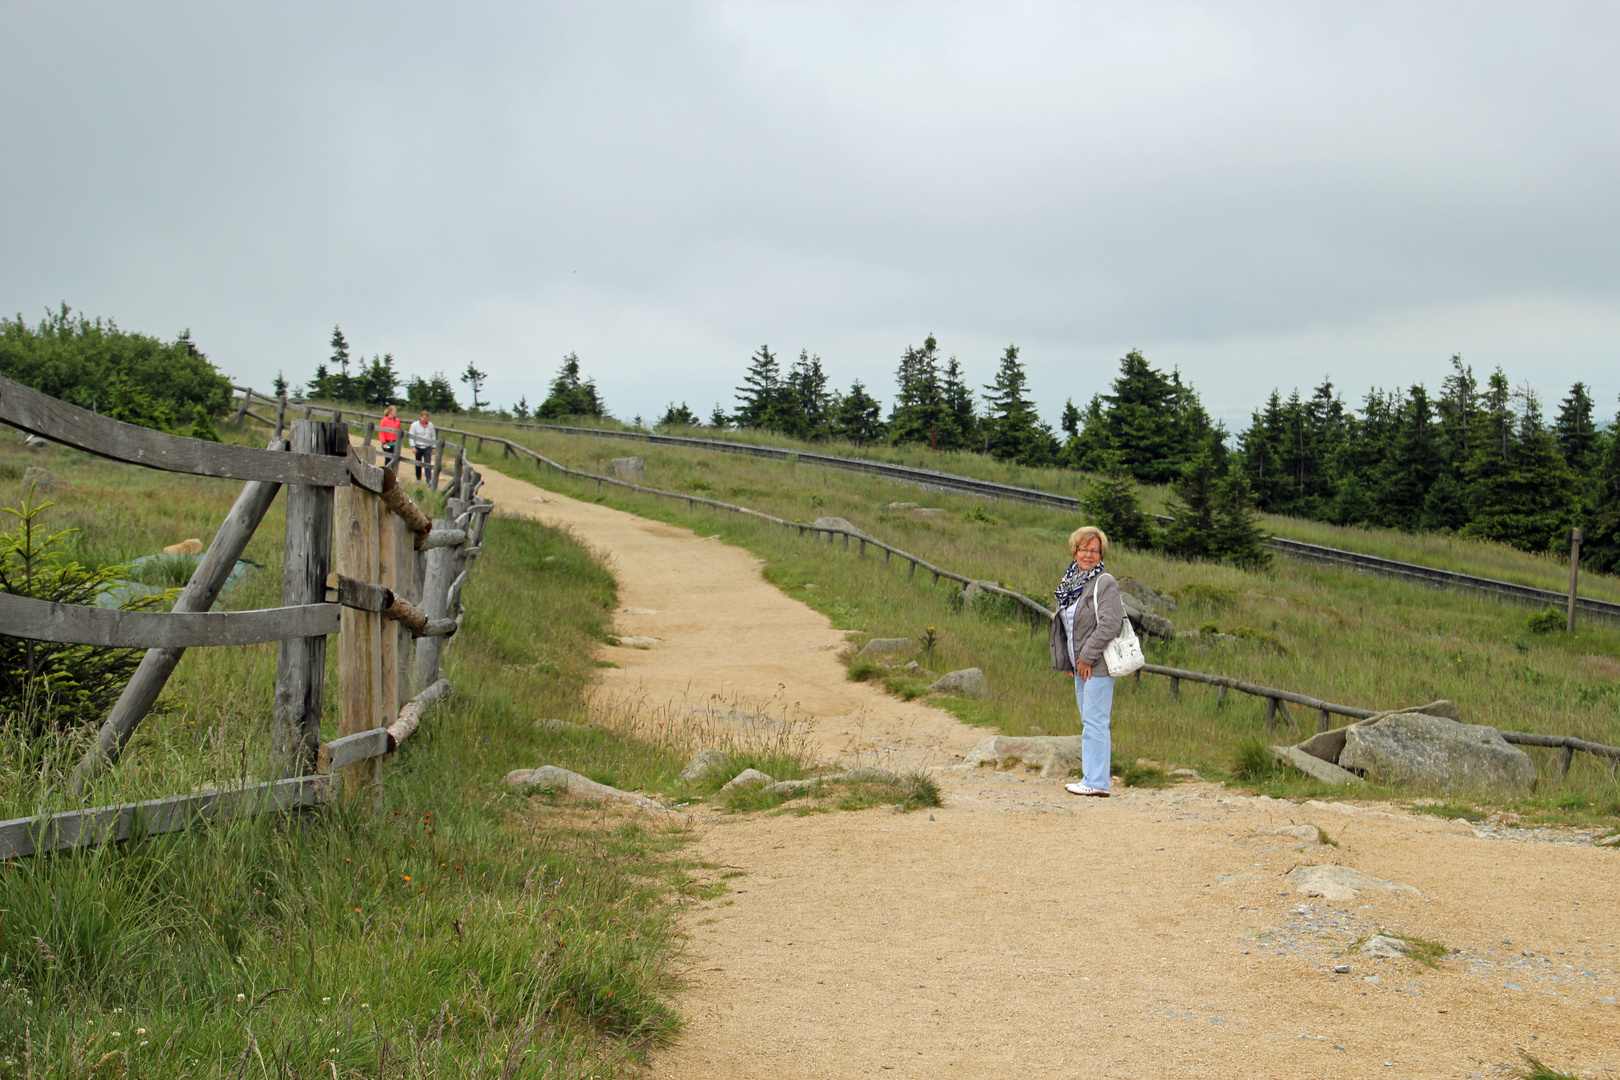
pixel 1019 929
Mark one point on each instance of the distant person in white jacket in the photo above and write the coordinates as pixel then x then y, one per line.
pixel 424 437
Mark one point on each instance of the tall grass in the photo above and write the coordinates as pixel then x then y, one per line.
pixel 1359 640
pixel 457 929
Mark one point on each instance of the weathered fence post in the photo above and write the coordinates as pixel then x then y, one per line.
pixel 1323 722
pixel 281 415
pixel 247 396
pixel 1175 687
pixel 360 675
pixel 1574 573
pixel 301 665
pixel 438 462
pixel 1271 713
pixel 394 562
pixel 143 688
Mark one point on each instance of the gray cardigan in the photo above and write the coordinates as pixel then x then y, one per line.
pixel 1091 634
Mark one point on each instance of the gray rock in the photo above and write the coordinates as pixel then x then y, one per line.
pixel 633 469
pixel 868 775
pixel 1186 774
pixel 1423 749
pixel 550 776
pixel 837 523
pixel 1341 969
pixel 883 646
pixel 705 762
pixel 791 787
pixel 1325 745
pixel 1389 948
pixel 901 506
pixel 1054 755
pixel 1339 882
pixel 748 778
pixel 1447 709
pixel 1301 834
pixel 969 682
pixel 1315 767
pixel 975 594
pixel 43 478
pixel 1144 595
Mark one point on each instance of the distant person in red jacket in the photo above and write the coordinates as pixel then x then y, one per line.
pixel 388 431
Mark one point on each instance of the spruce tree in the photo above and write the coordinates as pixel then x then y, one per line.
pixel 678 416
pixel 1069 421
pixel 1600 524
pixel 570 395
pixel 521 409
pixel 759 397
pixel 919 401
pixel 805 403
pixel 859 416
pixel 1110 502
pixel 1575 433
pixel 1411 465
pixel 339 384
pixel 1192 503
pixel 278 386
pixel 1012 427
pixel 960 429
pixel 475 379
pixel 1523 494
pixel 718 419
pixel 1237 536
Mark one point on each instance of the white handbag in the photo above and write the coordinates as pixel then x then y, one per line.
pixel 1123 655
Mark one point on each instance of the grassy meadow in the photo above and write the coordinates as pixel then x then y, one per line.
pixel 1351 638
pixel 457 929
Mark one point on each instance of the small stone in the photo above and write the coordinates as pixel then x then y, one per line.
pixel 43 479
pixel 1185 774
pixel 888 645
pixel 867 774
pixel 969 682
pixel 1387 948
pixel 748 778
pixel 1304 834
pixel 185 547
pixel 550 776
pixel 1341 969
pixel 901 506
pixel 639 642
pixel 705 762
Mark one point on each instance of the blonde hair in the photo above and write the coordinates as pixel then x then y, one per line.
pixel 1084 533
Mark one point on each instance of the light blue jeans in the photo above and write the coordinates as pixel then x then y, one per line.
pixel 1095 696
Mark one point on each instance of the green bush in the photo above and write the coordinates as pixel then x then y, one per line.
pixel 131 377
pixel 45 684
pixel 1546 622
pixel 1254 762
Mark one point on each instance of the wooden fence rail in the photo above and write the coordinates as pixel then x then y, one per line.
pixel 378 598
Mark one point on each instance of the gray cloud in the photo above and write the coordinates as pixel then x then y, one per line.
pixel 1260 194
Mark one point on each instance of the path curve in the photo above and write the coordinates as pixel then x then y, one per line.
pixel 1019 930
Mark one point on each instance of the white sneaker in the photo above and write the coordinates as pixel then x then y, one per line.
pixel 1078 788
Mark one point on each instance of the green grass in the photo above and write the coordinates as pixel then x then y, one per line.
pixel 1533 1069
pixel 1354 639
pixel 458 928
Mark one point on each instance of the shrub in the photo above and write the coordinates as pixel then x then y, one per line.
pixel 1546 622
pixel 1261 637
pixel 45 683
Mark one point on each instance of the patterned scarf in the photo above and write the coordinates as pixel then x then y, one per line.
pixel 1074 583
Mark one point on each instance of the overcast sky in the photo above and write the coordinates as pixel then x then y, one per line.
pixel 1260 194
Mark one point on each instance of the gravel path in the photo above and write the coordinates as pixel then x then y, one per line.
pixel 1019 928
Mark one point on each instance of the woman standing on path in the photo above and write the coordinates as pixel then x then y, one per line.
pixel 423 437
pixel 1089 615
pixel 388 431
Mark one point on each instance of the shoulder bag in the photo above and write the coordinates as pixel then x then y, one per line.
pixel 1123 655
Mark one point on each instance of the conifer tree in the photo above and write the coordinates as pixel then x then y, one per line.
pixel 960 427
pixel 805 403
pixel 1574 431
pixel 339 384
pixel 858 417
pixel 475 379
pixel 760 396
pixel 1192 503
pixel 678 416
pixel 1110 502
pixel 1522 490
pixel 278 385
pixel 1070 420
pixel 1013 429
pixel 1237 536
pixel 1600 542
pixel 570 395
pixel 520 410
pixel 718 419
pixel 919 401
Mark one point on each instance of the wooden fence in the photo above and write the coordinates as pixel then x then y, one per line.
pixel 1276 699
pixel 361 561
